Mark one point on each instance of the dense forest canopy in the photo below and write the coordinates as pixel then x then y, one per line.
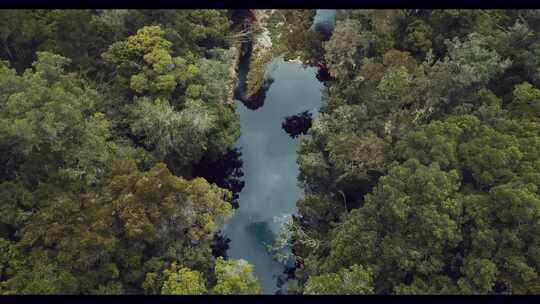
pixel 105 118
pixel 421 171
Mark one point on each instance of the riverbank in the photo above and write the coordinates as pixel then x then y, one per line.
pixel 253 53
pixel 261 54
pixel 268 34
pixel 233 73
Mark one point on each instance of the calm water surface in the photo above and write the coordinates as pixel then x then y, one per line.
pixel 270 169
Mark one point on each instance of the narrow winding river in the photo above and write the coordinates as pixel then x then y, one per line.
pixel 270 168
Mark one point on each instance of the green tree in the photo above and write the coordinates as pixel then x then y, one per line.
pixel 418 38
pixel 235 277
pixel 293 37
pixel 526 101
pixel 49 124
pixel 354 280
pixel 34 274
pixel 455 138
pixel 145 65
pixel 22 32
pixel 168 130
pixel 406 227
pixel 190 31
pixel 343 51
pixel 183 281
pixel 133 227
pixel 84 208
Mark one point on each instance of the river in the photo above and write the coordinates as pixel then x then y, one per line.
pixel 269 165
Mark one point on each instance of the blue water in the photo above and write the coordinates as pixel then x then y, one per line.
pixel 270 169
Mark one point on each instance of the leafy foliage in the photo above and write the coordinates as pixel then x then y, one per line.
pixel 183 281
pixel 96 104
pixel 348 281
pixel 298 124
pixel 235 277
pixel 430 149
pixel 420 173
